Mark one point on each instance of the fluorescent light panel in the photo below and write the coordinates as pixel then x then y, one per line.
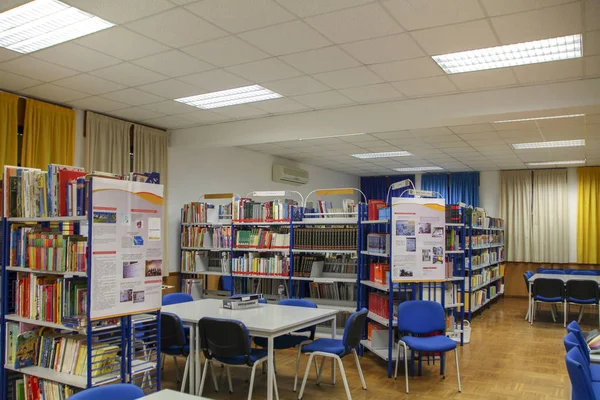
pixel 383 155
pixel 415 169
pixel 537 51
pixel 552 163
pixel 230 97
pixel 547 145
pixel 44 23
pixel 540 118
pixel 333 136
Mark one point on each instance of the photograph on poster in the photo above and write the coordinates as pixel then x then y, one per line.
pixel 102 217
pixel 405 228
pixel 405 273
pixel 126 295
pixel 438 255
pixel 138 297
pixel 426 255
pixel 153 267
pixel 132 269
pixel 138 241
pixel 424 228
pixel 139 224
pixel 438 232
pixel 411 244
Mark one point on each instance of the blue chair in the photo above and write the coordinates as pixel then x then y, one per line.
pixel 571 341
pixel 587 272
pixel 337 349
pixel 550 271
pixel 290 341
pixel 582 293
pixel 227 341
pixel 582 386
pixel 549 291
pixel 174 342
pixel 176 298
pixel 419 317
pixel 121 391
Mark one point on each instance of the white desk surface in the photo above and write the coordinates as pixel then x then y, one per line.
pixel 168 394
pixel 566 277
pixel 268 318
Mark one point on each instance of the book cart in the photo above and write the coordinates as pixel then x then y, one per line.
pixel 112 341
pixel 381 295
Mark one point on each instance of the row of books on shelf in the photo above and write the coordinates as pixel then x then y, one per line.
pixel 198 212
pixel 262 238
pixel 248 210
pixel 379 304
pixel 196 236
pixel 376 209
pixel 454 213
pixel 378 243
pixel 486 275
pixel 33 388
pixel 453 240
pixel 479 297
pixel 478 218
pixel 59 191
pixel 482 240
pixel 486 257
pixel 434 292
pixel 309 265
pixel 325 209
pixel 202 261
pixel 379 273
pixel 253 263
pixel 345 291
pixel 338 238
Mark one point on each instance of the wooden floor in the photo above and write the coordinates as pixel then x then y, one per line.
pixel 506 359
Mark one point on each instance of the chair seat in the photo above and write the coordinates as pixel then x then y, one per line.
pixel 255 355
pixel 331 346
pixel 282 342
pixel 596 387
pixel 556 299
pixel 430 344
pixel 595 372
pixel 581 301
pixel 176 350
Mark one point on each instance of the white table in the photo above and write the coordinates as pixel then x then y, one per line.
pixel 563 277
pixel 169 394
pixel 267 320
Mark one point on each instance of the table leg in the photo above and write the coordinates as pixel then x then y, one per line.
pixel 530 305
pixel 333 336
pixel 270 368
pixel 192 386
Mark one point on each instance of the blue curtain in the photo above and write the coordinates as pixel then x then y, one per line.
pixel 437 183
pixel 398 178
pixel 464 187
pixel 374 187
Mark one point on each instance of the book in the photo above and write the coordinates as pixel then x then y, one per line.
pixel 26 349
pixel 255 264
pixel 334 238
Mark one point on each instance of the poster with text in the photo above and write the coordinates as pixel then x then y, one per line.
pixel 126 239
pixel 419 239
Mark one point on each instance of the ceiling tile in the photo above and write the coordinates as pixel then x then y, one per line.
pixel 239 16
pixel 592 66
pixel 591 43
pixel 128 74
pixel 384 49
pixel 495 7
pixel 440 131
pixel 6 54
pixel 36 69
pixel 239 111
pixel 215 80
pixel 323 100
pixel 592 11
pixel 539 24
pixel 99 104
pixel 182 2
pixel 425 86
pixel 122 43
pixel 473 128
pixel 89 84
pixel 171 89
pixel 513 126
pixel 8 4
pixel 170 122
pixel 119 11
pixel 407 69
pixel 393 135
pixel 173 63
pixel 76 57
pixel 226 51
pixel 454 38
pixel 286 38
pixel 264 70
pixel 279 106
pixel 14 82
pixel 419 14
pixel 307 8
pixel 296 86
pixel 177 28
pixel 136 114
pixel 133 97
pixel 354 24
pixel 321 60
pixel 352 77
pixel 371 93
pixel 484 79
pixel 170 107
pixel 204 117
pixel 50 92
pixel 549 71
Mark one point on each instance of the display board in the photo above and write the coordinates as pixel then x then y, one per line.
pixel 418 243
pixel 126 243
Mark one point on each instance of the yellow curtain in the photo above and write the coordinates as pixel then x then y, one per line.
pixel 8 130
pixel 48 136
pixel 588 215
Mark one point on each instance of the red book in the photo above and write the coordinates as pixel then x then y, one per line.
pixel 64 176
pixel 373 208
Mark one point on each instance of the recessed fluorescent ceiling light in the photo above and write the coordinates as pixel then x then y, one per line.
pixel 413 169
pixel 547 145
pixel 231 97
pixel 550 163
pixel 333 136
pixel 44 23
pixel 383 155
pixel 538 51
pixel 540 118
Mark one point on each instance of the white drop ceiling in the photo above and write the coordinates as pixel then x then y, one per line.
pixel 321 55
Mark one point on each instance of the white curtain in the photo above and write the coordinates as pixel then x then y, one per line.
pixel 107 144
pixel 150 148
pixel 550 239
pixel 516 195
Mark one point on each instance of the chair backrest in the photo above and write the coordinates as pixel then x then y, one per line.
pixel 226 283
pixel 421 317
pixel 571 341
pixel 573 326
pixel 581 380
pixel 576 331
pixel 354 329
pixel 583 290
pixel 224 338
pixel 176 298
pixel 550 271
pixel 301 303
pixel 589 272
pixel 171 331
pixel 549 288
pixel 121 391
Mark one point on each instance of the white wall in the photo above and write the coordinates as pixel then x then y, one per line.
pixel 193 172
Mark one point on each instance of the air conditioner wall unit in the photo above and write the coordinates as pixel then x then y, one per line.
pixel 289 175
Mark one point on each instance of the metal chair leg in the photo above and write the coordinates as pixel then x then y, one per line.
pixel 297 367
pixel 360 374
pixel 251 388
pixel 343 373
pixel 214 377
pixel 580 314
pixel 565 313
pixel 185 373
pixel 203 377
pixel 406 365
pixel 320 370
pixel 397 360
pixel 229 380
pixel 457 370
pixel 310 359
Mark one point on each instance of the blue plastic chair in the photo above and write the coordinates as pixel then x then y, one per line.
pixel 174 342
pixel 571 341
pixel 176 298
pixel 588 272
pixel 526 276
pixel 290 341
pixel 420 317
pixel 121 391
pixel 582 293
pixel 550 271
pixel 549 291
pixel 582 386
pixel 337 349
